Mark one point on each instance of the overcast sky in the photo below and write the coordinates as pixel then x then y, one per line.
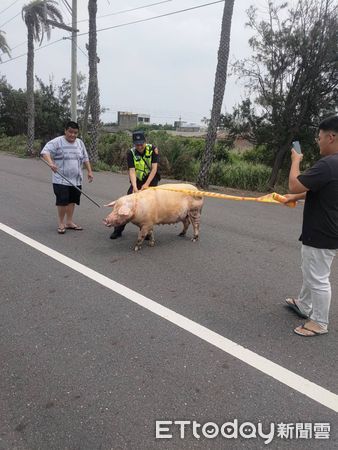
pixel 164 67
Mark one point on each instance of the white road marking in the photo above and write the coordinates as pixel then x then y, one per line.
pixel 279 373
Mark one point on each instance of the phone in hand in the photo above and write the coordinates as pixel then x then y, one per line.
pixel 296 146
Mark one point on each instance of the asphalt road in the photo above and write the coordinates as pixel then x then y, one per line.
pixel 83 367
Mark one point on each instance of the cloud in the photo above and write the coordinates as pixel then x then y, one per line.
pixel 165 67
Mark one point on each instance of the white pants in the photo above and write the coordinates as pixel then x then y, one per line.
pixel 315 296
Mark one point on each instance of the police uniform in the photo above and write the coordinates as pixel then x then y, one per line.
pixel 142 163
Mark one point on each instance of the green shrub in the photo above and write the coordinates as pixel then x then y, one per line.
pixel 112 149
pixel 260 154
pixel 114 168
pixel 185 168
pixel 101 166
pixel 241 175
pixel 17 145
pixel 222 152
pixel 235 157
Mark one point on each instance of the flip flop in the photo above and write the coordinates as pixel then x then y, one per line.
pixel 76 228
pixel 61 230
pixel 292 305
pixel 314 333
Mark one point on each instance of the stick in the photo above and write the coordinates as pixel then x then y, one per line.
pixel 62 176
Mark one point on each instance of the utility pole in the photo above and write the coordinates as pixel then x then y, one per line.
pixel 74 62
pixel 74 31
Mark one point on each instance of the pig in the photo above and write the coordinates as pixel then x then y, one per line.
pixel 157 207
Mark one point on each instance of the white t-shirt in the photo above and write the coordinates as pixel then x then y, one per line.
pixel 68 157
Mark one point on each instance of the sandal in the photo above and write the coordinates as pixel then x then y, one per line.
pixel 75 228
pixel 291 303
pixel 61 230
pixel 299 330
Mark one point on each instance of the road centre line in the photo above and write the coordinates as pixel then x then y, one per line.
pixel 264 365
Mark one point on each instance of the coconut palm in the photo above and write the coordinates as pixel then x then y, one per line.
pixel 93 97
pixel 35 15
pixel 219 87
pixel 4 47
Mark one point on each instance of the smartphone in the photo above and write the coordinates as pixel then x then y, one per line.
pixel 296 146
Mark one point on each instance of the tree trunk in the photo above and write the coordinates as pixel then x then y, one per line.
pixel 86 114
pixel 278 162
pixel 93 88
pixel 30 92
pixel 219 87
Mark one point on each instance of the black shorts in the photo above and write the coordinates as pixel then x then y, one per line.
pixel 66 194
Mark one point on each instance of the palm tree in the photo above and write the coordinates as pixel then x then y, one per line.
pixel 35 15
pixel 93 96
pixel 4 47
pixel 219 87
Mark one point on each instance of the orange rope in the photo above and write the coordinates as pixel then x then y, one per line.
pixel 269 198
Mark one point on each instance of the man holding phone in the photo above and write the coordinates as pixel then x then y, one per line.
pixel 319 187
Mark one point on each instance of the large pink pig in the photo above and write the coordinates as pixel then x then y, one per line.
pixel 155 207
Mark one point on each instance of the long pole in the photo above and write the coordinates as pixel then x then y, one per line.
pixel 74 63
pixel 80 190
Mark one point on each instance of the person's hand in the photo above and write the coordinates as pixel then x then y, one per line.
pixel 53 167
pixel 291 198
pixel 135 190
pixel 145 186
pixel 295 156
pixel 90 177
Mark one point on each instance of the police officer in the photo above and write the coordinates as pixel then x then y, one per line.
pixel 142 162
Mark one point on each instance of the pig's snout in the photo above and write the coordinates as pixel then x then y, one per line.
pixel 106 222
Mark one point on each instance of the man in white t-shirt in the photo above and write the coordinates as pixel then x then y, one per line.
pixel 67 154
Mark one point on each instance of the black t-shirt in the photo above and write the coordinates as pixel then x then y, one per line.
pixel 130 158
pixel 320 218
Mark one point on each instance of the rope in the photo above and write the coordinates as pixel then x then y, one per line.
pixel 269 198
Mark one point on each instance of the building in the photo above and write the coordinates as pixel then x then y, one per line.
pixel 128 120
pixel 188 127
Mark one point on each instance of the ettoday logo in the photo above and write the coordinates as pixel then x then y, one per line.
pixel 210 430
pixel 167 429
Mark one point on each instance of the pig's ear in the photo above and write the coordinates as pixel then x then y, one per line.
pixel 124 211
pixel 110 204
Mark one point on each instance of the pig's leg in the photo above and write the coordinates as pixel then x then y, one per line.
pixel 144 230
pixel 151 238
pixel 186 223
pixel 195 217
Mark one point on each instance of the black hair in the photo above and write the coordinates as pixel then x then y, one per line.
pixel 71 124
pixel 329 124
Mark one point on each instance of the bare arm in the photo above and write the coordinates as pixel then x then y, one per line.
pixel 89 170
pixel 295 186
pixel 295 197
pixel 52 165
pixel 151 176
pixel 132 176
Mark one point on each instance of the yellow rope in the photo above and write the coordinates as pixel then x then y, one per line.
pixel 269 198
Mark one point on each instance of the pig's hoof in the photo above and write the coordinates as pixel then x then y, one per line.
pixel 137 248
pixel 182 234
pixel 151 243
pixel 194 239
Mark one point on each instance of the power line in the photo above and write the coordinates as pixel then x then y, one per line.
pixel 37 49
pixel 121 25
pixel 19 45
pixel 64 10
pixel 67 6
pixel 155 17
pixel 82 51
pixel 69 11
pixel 127 10
pixel 10 20
pixel 16 1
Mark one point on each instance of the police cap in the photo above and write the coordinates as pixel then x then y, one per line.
pixel 138 137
